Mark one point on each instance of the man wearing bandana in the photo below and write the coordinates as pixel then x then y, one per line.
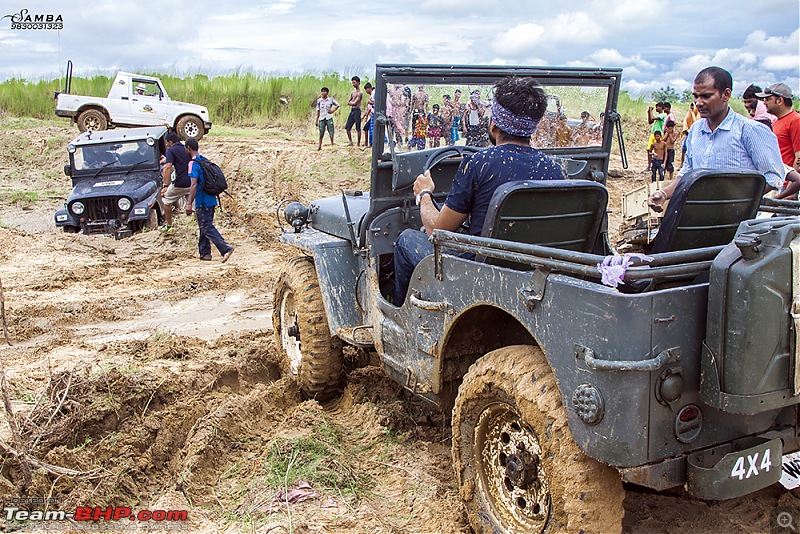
pixel 519 105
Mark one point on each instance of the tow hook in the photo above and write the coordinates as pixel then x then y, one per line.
pixel 522 468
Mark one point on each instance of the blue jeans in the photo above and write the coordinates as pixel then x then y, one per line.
pixel 409 249
pixel 208 233
pixel 657 169
pixel 454 130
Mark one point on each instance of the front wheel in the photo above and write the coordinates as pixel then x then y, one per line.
pixel 189 126
pixel 152 220
pixel 517 465
pixel 92 119
pixel 308 352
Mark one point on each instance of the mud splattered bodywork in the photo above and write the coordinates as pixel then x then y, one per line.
pixel 116 179
pixel 651 374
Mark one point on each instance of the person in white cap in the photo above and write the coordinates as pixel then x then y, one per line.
pixel 140 89
pixel 778 99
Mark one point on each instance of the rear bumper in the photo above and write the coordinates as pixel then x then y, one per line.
pixel 726 471
pixel 65 113
pixel 207 126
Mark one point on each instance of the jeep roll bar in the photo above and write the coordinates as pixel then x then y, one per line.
pixel 680 263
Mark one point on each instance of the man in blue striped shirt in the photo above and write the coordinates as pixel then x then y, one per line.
pixel 723 139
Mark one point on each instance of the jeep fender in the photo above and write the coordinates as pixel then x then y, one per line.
pixel 92 105
pixel 338 273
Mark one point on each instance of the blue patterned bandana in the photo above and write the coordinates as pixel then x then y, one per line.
pixel 512 124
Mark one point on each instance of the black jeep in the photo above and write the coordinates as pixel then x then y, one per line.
pixel 116 181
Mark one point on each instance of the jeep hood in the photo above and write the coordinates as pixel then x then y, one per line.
pixel 137 187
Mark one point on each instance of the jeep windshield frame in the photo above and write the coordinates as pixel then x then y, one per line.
pixel 604 81
pixel 118 157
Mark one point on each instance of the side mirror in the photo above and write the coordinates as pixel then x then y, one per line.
pixel 67 170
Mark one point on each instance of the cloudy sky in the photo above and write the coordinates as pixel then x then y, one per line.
pixel 656 42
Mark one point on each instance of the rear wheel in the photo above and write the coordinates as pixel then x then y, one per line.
pixel 308 352
pixel 92 119
pixel 189 126
pixel 517 465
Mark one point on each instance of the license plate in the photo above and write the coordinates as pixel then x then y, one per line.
pixel 790 473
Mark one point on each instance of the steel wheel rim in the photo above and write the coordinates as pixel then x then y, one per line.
pixel 92 123
pixel 290 344
pixel 501 440
pixel 191 129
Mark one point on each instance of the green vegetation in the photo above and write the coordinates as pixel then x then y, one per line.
pixel 271 106
pixel 238 99
pixel 23 199
pixel 666 94
pixel 321 460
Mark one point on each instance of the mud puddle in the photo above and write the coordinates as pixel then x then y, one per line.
pixel 205 317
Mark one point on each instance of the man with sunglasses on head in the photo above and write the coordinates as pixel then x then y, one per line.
pixel 778 99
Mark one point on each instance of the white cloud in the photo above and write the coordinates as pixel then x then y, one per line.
pixel 761 43
pixel 281 7
pixel 653 41
pixel 576 28
pixel 785 62
pixel 518 40
pixel 627 14
pixel 613 58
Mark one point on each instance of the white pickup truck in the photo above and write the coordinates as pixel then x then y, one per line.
pixel 133 100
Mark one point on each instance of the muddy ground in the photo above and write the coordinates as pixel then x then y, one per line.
pixel 140 376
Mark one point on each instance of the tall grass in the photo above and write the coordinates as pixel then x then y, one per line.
pixel 238 99
pixel 254 100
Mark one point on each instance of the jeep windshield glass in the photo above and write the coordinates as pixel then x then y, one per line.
pixel 123 154
pixel 431 115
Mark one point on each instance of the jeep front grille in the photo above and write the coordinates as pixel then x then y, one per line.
pixel 101 209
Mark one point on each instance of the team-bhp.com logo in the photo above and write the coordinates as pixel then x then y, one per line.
pixel 96 513
pixel 24 20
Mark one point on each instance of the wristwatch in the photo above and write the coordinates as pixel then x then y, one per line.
pixel 422 194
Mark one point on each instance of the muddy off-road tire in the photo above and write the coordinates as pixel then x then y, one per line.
pixel 189 126
pixel 92 119
pixel 518 467
pixel 152 220
pixel 308 352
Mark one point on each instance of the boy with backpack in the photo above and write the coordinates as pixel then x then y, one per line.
pixel 207 182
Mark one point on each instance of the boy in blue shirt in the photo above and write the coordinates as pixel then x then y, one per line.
pixel 204 207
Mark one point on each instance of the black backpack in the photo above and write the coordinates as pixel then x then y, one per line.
pixel 214 182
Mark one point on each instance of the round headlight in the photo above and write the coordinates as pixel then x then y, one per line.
pixel 71 149
pixel 77 208
pixel 151 141
pixel 124 204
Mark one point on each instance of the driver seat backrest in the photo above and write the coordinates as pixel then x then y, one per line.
pixel 564 214
pixel 706 208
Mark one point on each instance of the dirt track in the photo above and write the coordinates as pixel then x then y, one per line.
pixel 153 375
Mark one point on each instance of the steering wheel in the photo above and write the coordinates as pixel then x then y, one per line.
pixel 441 154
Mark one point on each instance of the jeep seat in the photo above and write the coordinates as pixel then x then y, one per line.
pixel 706 208
pixel 564 214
